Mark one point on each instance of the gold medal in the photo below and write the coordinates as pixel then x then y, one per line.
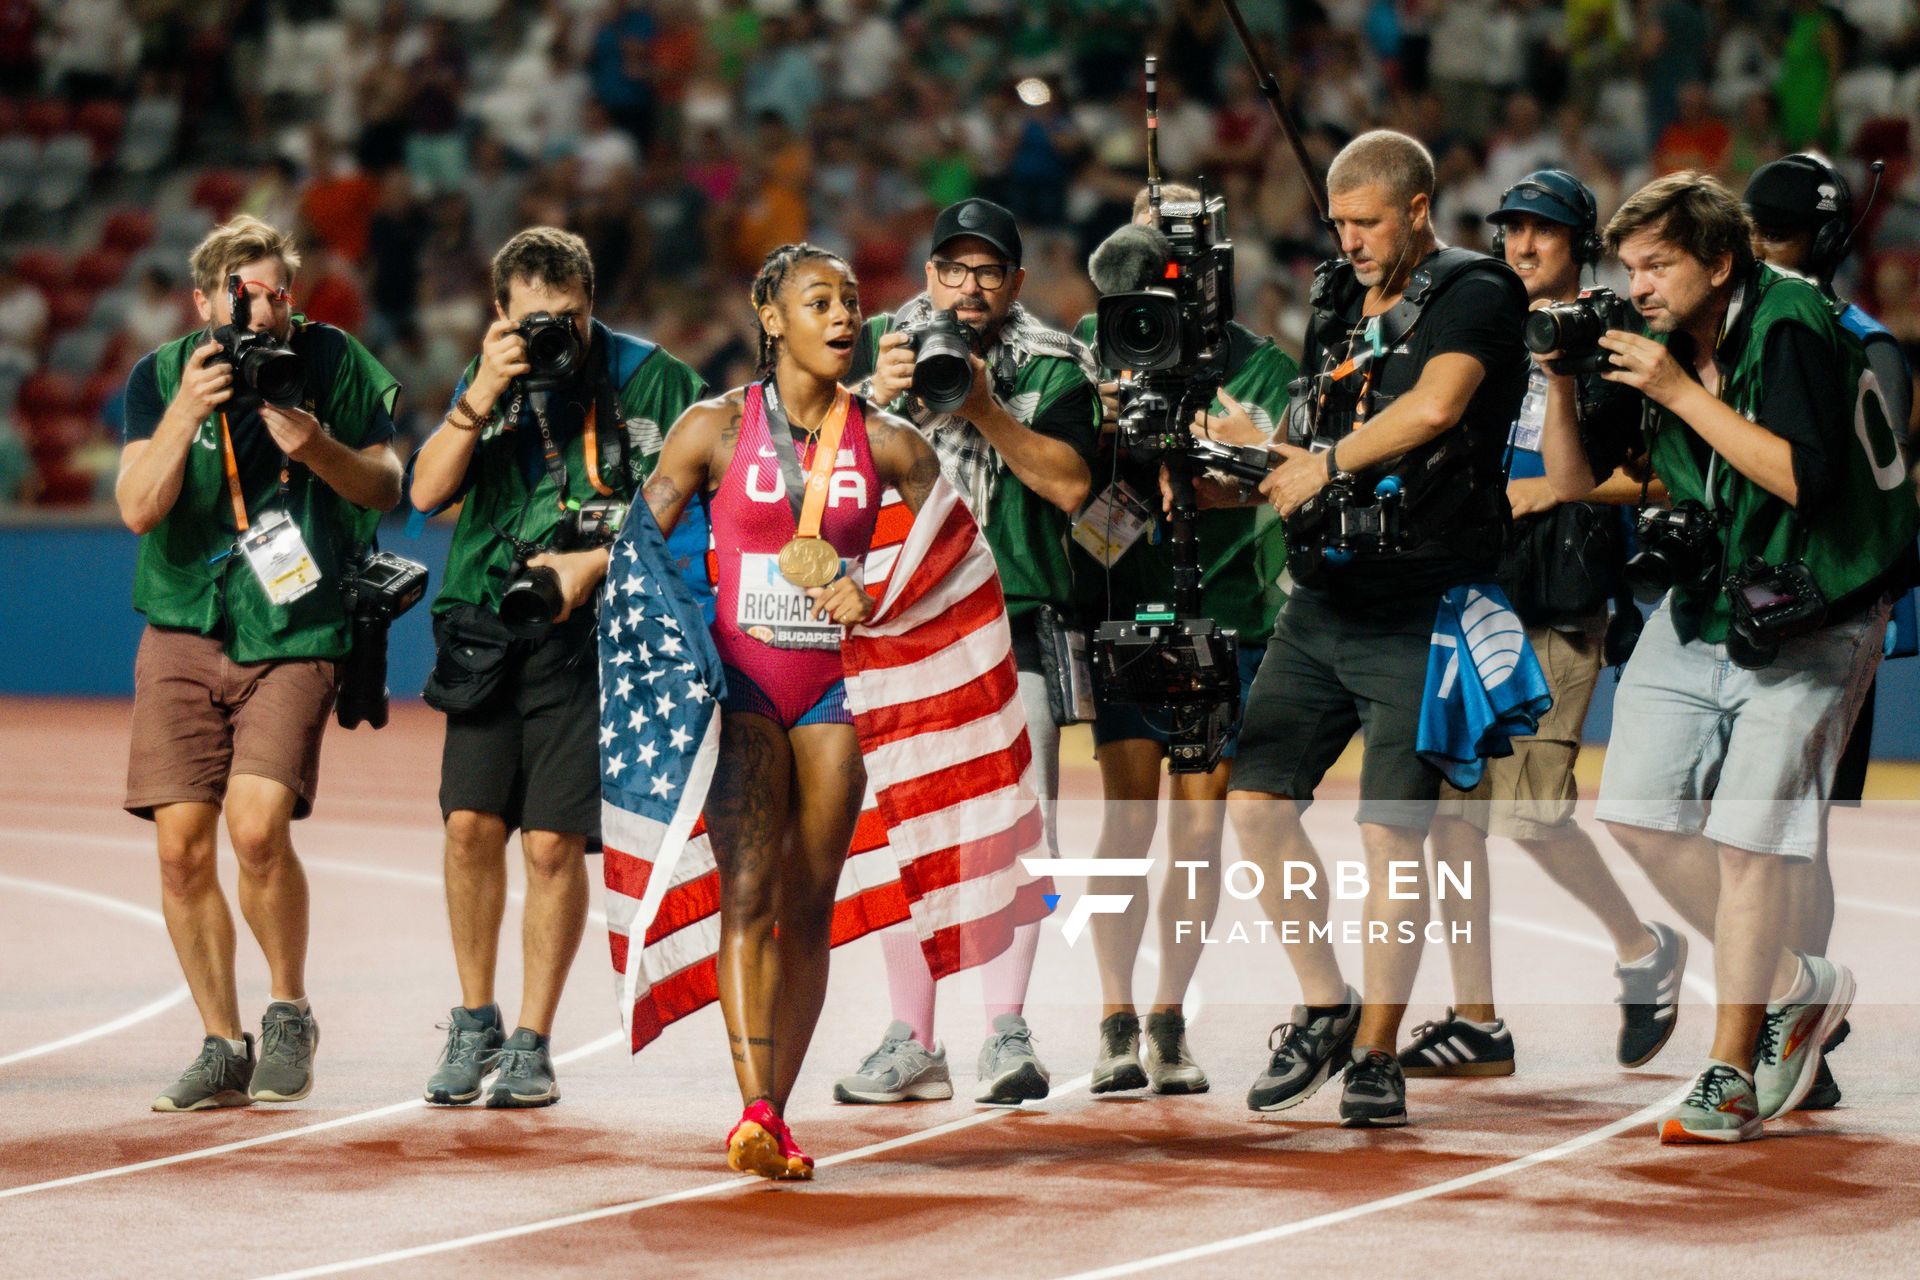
pixel 809 562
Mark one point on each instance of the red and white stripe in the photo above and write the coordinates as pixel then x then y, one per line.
pixel 951 801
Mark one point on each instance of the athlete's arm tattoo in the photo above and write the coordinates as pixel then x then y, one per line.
pixel 663 497
pixel 919 480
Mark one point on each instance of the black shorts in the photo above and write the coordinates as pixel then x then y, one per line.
pixel 1328 673
pixel 532 754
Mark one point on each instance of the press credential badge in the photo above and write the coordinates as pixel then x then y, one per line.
pixel 279 558
pixel 1112 523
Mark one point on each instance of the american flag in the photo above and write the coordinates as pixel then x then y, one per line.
pixel 951 802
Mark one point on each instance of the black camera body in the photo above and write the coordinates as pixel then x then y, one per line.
pixel 1177 329
pixel 1574 330
pixel 1679 547
pixel 1189 666
pixel 264 368
pixel 1768 604
pixel 532 599
pixel 554 351
pixel 1173 337
pixel 378 588
pixel 943 351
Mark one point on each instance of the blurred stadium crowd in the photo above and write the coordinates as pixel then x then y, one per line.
pixel 406 139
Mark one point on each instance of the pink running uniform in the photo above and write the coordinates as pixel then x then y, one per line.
pixel 780 663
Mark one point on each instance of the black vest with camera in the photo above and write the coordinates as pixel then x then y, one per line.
pixel 1435 516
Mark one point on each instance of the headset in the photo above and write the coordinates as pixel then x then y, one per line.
pixel 1833 233
pixel 1588 247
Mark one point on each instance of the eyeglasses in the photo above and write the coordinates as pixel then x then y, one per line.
pixel 989 275
pixel 279 297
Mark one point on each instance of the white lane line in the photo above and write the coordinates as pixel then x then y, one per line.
pixel 1162 1261
pixel 1886 908
pixel 359 1117
pixel 226 1148
pixel 1645 1115
pixel 671 1197
pixel 119 907
pixel 715 1188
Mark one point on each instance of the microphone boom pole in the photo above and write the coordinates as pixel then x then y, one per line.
pixel 1270 90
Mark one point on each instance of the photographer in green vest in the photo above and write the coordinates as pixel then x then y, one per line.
pixel 1775 569
pixel 551 431
pixel 257 459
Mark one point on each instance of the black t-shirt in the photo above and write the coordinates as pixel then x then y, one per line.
pixel 254 452
pixel 1478 314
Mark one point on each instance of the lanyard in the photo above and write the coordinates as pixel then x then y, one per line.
pixel 233 477
pixel 556 462
pixel 807 511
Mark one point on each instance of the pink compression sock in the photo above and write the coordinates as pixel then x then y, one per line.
pixel 1003 979
pixel 909 982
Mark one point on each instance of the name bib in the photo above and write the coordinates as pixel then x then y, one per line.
pixel 777 612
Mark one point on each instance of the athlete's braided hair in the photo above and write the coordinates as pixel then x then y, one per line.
pixel 767 285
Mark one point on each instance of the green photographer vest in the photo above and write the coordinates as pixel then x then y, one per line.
pixel 653 390
pixel 185 578
pixel 1242 549
pixel 1872 518
pixel 1027 534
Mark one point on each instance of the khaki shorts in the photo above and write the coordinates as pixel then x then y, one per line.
pixel 1531 793
pixel 199 718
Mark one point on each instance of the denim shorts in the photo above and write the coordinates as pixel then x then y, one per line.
pixel 1703 746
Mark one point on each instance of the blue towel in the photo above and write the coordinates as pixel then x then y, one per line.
pixel 1472 707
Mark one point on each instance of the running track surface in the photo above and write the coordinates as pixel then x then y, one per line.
pixel 1553 1171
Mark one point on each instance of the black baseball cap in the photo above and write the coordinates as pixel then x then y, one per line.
pixel 1795 191
pixel 982 219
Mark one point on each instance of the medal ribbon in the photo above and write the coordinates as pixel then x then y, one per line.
pixel 810 509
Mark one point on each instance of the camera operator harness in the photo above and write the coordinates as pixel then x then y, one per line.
pixel 1420 492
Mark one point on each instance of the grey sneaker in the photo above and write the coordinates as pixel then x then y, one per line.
pixel 1170 1064
pixel 900 1070
pixel 1786 1060
pixel 288 1041
pixel 523 1070
pixel 1010 1071
pixel 1306 1051
pixel 217 1078
pixel 1119 1066
pixel 456 1081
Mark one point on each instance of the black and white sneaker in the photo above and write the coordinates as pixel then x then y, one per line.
pixel 1306 1050
pixel 1649 997
pixel 1373 1093
pixel 1825 1093
pixel 1454 1046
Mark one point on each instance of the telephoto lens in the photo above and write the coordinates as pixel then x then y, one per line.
pixel 1563 326
pixel 263 366
pixel 531 601
pixel 943 362
pixel 553 349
